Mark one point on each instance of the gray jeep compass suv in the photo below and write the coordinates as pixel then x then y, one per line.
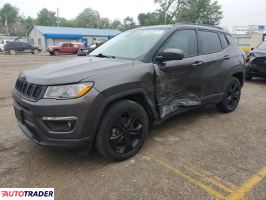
pixel 110 98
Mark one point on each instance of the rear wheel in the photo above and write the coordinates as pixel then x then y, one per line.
pixel 232 97
pixel 12 52
pixel 123 131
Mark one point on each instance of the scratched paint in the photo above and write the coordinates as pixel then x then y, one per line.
pixel 172 95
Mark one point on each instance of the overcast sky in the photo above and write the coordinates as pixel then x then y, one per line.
pixel 236 12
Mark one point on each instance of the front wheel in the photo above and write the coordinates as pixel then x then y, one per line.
pixel 56 53
pixel 123 130
pixel 231 98
pixel 12 52
pixel 36 51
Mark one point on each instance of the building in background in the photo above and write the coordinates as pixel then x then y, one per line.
pixel 248 37
pixel 248 41
pixel 44 36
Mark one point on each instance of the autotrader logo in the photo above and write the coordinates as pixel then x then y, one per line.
pixel 26 193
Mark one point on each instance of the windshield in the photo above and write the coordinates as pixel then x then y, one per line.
pixel 130 44
pixel 262 46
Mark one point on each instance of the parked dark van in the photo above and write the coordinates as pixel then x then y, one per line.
pixel 20 47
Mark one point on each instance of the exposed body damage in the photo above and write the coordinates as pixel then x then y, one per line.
pixel 171 94
pixel 176 101
pixel 256 62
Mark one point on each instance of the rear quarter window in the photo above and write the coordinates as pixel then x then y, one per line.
pixel 231 39
pixel 224 41
pixel 210 42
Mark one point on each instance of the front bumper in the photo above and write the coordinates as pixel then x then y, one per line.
pixel 34 134
pixel 30 119
pixel 255 70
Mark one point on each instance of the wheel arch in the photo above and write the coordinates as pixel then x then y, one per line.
pixel 240 77
pixel 138 95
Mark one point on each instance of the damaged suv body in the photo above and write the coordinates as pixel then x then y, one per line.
pixel 143 76
pixel 256 62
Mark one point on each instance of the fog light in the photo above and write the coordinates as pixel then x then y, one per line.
pixel 60 124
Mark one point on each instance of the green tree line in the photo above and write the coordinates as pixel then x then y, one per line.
pixel 169 12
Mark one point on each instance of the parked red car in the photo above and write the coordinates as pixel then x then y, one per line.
pixel 65 48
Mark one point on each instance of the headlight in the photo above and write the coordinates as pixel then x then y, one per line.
pixel 68 91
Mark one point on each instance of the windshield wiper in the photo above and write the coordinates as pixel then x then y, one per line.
pixel 100 55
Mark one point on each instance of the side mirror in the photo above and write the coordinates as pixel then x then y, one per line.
pixel 170 54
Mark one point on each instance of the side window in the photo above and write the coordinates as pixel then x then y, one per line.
pixel 224 40
pixel 231 39
pixel 65 45
pixel 186 40
pixel 210 42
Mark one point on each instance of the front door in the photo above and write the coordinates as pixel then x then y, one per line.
pixel 180 83
pixel 66 48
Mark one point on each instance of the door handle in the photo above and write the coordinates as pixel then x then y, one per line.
pixel 197 64
pixel 227 57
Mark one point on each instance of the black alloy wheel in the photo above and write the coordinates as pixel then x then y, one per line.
pixel 126 132
pixel 232 97
pixel 123 130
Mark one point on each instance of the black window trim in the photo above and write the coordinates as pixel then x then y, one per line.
pixel 171 35
pixel 228 43
pixel 228 35
pixel 200 47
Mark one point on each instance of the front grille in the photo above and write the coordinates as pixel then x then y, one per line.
pixel 261 61
pixel 28 90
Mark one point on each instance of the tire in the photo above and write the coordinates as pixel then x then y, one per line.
pixel 51 53
pixel 12 52
pixel 56 53
pixel 35 51
pixel 123 130
pixel 231 98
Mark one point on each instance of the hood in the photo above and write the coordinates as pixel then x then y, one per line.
pixel 75 70
pixel 259 52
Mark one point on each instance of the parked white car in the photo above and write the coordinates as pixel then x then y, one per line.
pixel 3 43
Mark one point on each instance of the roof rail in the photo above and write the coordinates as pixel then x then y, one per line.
pixel 212 26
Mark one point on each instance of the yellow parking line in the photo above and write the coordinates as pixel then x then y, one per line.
pixel 192 180
pixel 241 192
pixel 210 179
pixel 216 178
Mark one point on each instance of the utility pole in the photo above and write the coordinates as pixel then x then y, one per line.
pixel 165 17
pixel 6 25
pixel 58 21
